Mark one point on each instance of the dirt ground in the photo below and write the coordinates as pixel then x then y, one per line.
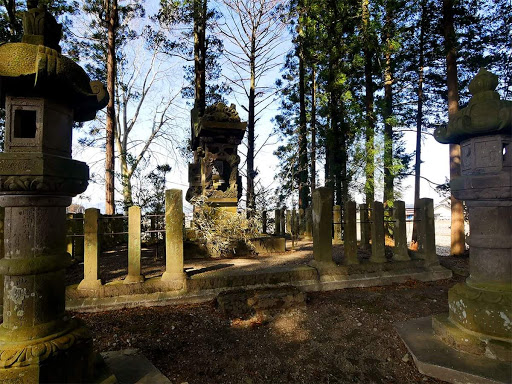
pixel 344 336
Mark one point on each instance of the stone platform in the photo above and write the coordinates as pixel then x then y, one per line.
pixel 131 367
pixel 207 279
pixel 435 358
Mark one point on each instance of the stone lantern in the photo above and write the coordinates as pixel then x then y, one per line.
pixel 43 93
pixel 214 172
pixel 474 342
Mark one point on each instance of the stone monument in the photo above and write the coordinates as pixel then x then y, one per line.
pixel 214 172
pixel 43 93
pixel 473 343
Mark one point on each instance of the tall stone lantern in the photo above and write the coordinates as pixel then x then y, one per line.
pixel 43 93
pixel 214 172
pixel 479 322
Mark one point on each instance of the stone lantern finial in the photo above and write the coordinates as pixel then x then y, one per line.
pixel 485 113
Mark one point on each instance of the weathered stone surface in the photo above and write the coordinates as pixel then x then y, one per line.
pixel 131 367
pixel 322 225
pixel 435 358
pixel 261 303
pixel 400 252
pixel 277 222
pixel 91 250
pixel 364 221
pixel 288 222
pixel 377 228
pixel 269 244
pixel 350 238
pixel 43 93
pixel 309 224
pixel 427 232
pixel 264 222
pixel 336 220
pixel 480 310
pixel 173 236
pixel 134 246
pixel 214 173
pixel 485 113
pixel 283 222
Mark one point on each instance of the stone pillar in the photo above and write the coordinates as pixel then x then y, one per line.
pixel 294 223
pixel 70 240
pixel 377 228
pixel 336 220
pixel 322 225
pixel 400 232
pixel 2 251
pixel 427 232
pixel 288 222
pixel 264 222
pixel 309 223
pixel 283 223
pixel 277 222
pixel 364 222
pixel 173 236
pixel 91 250
pixel 302 223
pixel 350 238
pixel 134 246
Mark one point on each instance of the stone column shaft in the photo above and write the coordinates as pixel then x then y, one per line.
pixel 277 222
pixel 350 238
pixel 91 250
pixel 173 235
pixel 309 223
pixel 134 246
pixel 283 222
pixel 364 222
pixel 400 232
pixel 377 228
pixel 288 222
pixel 322 225
pixel 337 222
pixel 264 222
pixel 427 232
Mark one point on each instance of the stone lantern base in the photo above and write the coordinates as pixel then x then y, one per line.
pixel 434 357
pixel 63 357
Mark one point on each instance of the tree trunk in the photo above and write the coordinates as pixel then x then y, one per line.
pixel 313 128
pixel 369 101
pixel 127 183
pixel 457 209
pixel 419 123
pixel 303 139
pixel 251 198
pixel 112 20
pixel 388 110
pixel 200 10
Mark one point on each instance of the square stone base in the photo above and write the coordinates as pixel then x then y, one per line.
pixel 435 358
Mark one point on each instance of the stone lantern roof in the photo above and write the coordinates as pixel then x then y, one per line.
pixel 218 120
pixel 36 68
pixel 485 113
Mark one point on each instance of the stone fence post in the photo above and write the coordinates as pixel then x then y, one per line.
pixel 2 252
pixel 264 222
pixel 309 223
pixel 173 236
pixel 377 228
pixel 288 222
pixel 350 238
pixel 91 250
pixel 364 222
pixel 336 219
pixel 322 225
pixel 134 246
pixel 277 222
pixel 400 232
pixel 427 232
pixel 283 222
